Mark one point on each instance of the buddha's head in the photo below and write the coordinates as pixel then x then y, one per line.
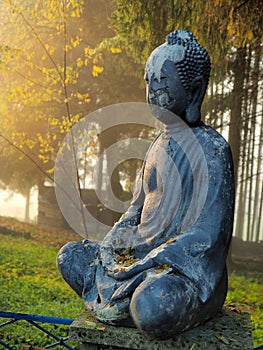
pixel 177 74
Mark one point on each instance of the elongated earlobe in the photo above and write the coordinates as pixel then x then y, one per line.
pixel 193 114
pixel 193 111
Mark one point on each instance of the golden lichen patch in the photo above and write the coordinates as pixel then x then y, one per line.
pixel 126 259
pixel 162 268
pixel 121 269
pixel 170 240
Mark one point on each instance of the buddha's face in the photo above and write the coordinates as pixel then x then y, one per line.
pixel 164 88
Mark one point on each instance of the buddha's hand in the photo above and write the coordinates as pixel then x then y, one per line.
pixel 157 258
pixel 124 273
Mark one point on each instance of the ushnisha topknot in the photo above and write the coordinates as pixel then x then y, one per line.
pixel 180 37
pixel 189 57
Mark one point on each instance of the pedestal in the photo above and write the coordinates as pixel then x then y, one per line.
pixel 230 329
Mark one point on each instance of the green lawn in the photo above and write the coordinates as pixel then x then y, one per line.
pixel 30 283
pixel 249 290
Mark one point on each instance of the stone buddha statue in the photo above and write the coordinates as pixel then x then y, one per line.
pixel 162 267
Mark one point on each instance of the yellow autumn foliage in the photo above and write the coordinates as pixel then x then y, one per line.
pixel 96 70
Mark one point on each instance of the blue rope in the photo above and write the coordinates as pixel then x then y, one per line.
pixel 32 319
pixel 36 318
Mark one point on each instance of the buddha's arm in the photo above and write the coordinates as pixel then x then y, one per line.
pixel 119 236
pixel 209 235
pixel 132 216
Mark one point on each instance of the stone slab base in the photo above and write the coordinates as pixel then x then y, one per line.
pixel 230 329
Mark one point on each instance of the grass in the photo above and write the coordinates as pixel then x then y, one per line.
pixel 244 289
pixel 30 283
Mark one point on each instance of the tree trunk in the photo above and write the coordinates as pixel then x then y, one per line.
pixel 256 157
pixel 27 206
pixel 234 136
pixel 236 111
pixel 244 154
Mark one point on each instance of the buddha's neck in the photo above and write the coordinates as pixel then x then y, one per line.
pixel 180 126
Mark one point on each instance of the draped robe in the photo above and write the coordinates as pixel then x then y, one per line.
pixel 166 230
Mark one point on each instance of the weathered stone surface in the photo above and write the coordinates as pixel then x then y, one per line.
pixel 231 329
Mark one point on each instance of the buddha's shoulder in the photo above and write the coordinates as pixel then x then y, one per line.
pixel 209 137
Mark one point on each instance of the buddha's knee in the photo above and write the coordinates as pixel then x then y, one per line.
pixel 72 261
pixel 161 305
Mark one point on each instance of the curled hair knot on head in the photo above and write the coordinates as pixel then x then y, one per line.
pixel 195 62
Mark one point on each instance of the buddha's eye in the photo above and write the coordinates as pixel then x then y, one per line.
pixel 162 78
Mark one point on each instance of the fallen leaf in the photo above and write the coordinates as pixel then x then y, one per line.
pixel 222 338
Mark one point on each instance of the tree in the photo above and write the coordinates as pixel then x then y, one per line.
pixel 42 59
pixel 51 65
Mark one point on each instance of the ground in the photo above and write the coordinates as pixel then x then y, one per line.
pixel 30 282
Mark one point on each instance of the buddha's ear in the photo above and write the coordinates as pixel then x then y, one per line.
pixel 193 111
